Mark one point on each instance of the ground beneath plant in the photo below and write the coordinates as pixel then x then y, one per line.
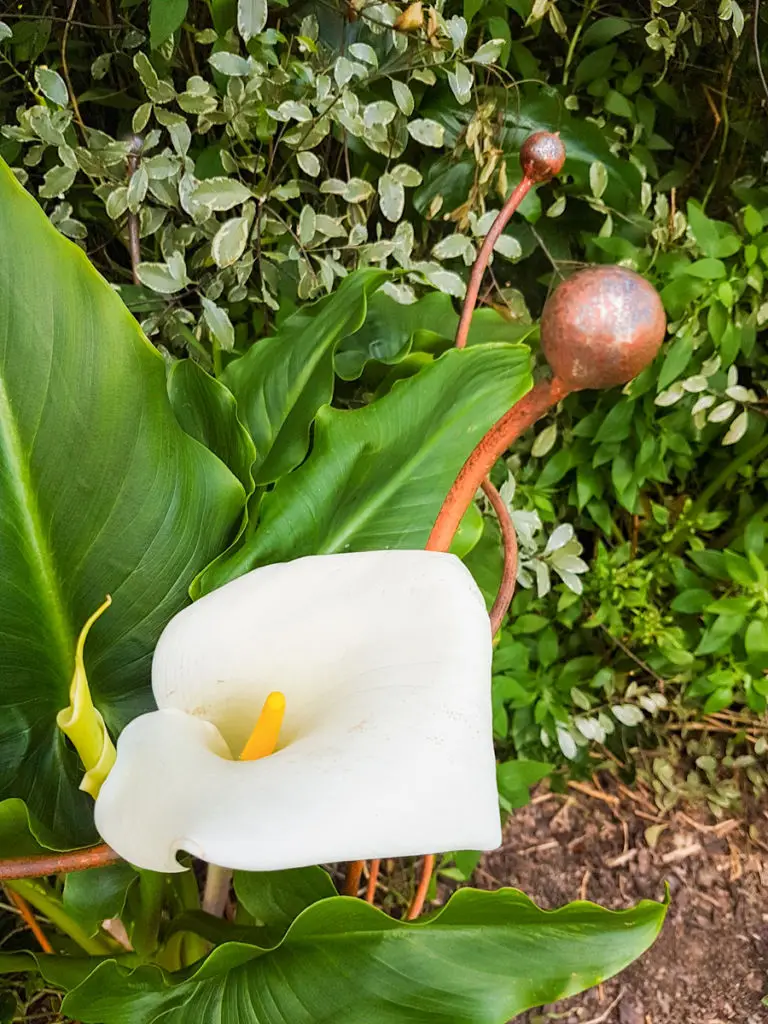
pixel 710 964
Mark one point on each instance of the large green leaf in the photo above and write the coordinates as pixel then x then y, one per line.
pixel 482 959
pixel 92 896
pixel 207 410
pixel 101 491
pixel 377 476
pixel 390 328
pixel 272 899
pixel 282 381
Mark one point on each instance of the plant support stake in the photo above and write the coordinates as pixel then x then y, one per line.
pixel 541 157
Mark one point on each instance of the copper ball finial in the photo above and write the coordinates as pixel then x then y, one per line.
pixel 601 327
pixel 542 156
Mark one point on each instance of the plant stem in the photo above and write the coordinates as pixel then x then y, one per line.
pixel 184 886
pixel 216 892
pixel 588 8
pixel 512 424
pixel 216 350
pixel 16 963
pixel 145 937
pixel 38 895
pixel 65 69
pixel 729 470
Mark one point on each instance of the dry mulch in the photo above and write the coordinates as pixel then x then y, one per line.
pixel 710 964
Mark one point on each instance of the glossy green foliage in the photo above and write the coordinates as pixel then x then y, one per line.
pixel 482 959
pixel 377 476
pixel 281 382
pixel 102 492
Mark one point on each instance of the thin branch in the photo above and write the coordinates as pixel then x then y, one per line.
pixel 134 240
pixel 608 1011
pixel 634 657
pixel 756 42
pixel 65 69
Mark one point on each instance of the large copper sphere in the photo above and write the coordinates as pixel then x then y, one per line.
pixel 542 156
pixel 602 327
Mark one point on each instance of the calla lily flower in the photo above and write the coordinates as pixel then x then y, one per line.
pixel 384 658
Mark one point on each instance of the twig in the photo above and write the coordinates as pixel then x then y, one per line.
pixel 596 794
pixel 720 829
pixel 584 883
pixel 421 892
pixel 134 240
pixel 756 42
pixel 622 859
pixel 631 654
pixel 683 853
pixel 708 727
pixel 542 245
pixel 29 919
pixel 65 69
pixel 607 1012
pixel 548 844
pixel 509 572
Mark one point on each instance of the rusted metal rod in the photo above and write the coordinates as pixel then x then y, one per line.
pixel 57 863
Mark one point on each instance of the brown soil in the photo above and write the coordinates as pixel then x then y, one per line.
pixel 710 964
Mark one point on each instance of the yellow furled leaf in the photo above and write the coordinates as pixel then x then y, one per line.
pixel 83 724
pixel 411 19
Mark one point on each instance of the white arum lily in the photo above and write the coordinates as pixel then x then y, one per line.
pixel 386 748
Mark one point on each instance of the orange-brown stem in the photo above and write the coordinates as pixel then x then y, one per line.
pixel 29 919
pixel 419 899
pixel 484 256
pixel 354 874
pixel 509 572
pixel 502 434
pixel 373 879
pixel 57 863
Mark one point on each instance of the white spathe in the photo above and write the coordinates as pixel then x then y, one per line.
pixel 386 749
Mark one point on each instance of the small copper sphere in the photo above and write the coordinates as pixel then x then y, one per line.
pixel 601 327
pixel 542 156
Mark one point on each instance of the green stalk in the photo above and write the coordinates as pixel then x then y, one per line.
pixel 729 470
pixel 146 930
pixel 41 897
pixel 185 895
pixel 217 363
pixel 16 963
pixel 185 890
pixel 588 8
